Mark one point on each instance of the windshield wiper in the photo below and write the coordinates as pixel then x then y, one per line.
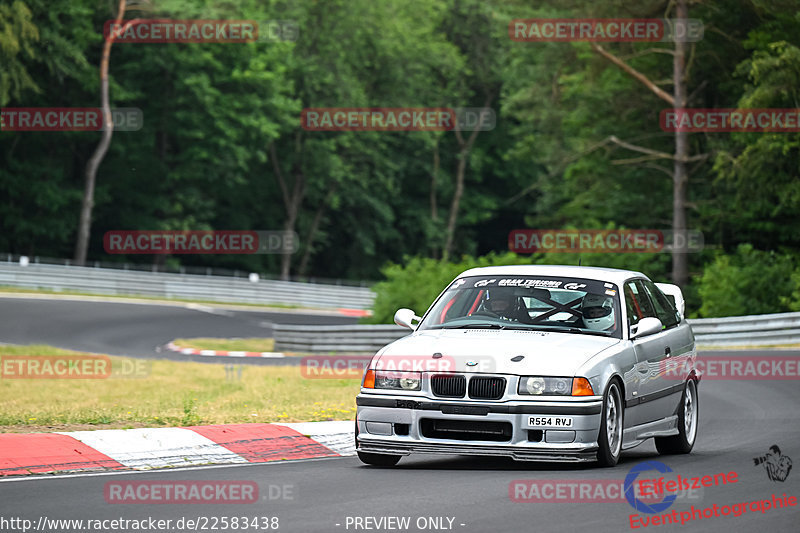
pixel 568 329
pixel 476 326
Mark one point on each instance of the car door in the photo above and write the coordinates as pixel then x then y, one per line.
pixel 650 393
pixel 679 341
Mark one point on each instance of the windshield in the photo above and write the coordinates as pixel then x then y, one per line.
pixel 563 304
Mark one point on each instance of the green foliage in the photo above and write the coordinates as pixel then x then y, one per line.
pixel 749 282
pixel 17 35
pixel 211 112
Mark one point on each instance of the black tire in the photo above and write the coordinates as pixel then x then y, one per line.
pixel 688 416
pixel 378 459
pixel 612 418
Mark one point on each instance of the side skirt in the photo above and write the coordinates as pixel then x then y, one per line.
pixel 635 435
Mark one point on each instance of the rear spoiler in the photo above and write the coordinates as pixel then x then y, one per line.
pixel 673 292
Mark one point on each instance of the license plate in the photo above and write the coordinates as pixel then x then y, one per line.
pixel 550 421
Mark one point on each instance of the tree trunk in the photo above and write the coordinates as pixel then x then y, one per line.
pixel 464 148
pixel 291 201
pixel 434 246
pixel 463 153
pixel 87 205
pixel 434 180
pixel 312 231
pixel 680 258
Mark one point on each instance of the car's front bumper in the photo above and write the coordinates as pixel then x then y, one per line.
pixel 384 420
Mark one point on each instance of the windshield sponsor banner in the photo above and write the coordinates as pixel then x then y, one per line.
pixel 605 30
pixel 724 367
pixel 200 242
pixel 68 119
pixel 528 285
pixel 398 119
pixel 186 492
pixel 526 241
pixel 730 120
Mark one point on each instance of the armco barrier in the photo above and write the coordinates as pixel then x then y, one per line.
pixel 183 286
pixel 781 328
pixel 328 339
pixel 753 330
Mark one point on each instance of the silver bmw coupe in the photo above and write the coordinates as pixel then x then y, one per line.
pixel 539 363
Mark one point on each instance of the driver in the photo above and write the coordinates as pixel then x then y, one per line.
pixel 502 301
pixel 598 312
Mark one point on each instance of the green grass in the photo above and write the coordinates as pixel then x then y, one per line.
pixel 231 345
pixel 171 394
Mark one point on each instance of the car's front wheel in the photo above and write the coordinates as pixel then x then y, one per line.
pixel 378 459
pixel 610 437
pixel 688 414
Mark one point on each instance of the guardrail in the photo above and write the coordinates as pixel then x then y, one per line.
pixel 783 328
pixel 754 330
pixel 110 281
pixel 327 339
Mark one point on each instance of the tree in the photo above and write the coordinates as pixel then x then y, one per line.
pixel 17 35
pixel 85 221
pixel 681 157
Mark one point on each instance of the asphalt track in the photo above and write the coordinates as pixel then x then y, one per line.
pixel 138 330
pixel 739 420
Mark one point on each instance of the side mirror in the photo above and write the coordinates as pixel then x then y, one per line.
pixel 404 317
pixel 646 326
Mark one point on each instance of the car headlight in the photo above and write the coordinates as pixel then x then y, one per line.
pixel 398 380
pixel 541 386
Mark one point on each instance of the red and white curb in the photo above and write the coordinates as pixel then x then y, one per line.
pixel 149 448
pixel 217 353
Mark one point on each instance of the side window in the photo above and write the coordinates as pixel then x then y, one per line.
pixel 637 303
pixel 644 301
pixel 664 309
pixel 634 313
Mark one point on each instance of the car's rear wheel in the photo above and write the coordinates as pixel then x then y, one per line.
pixel 378 459
pixel 688 415
pixel 610 437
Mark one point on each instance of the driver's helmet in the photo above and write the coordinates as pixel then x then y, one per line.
pixel 501 300
pixel 598 312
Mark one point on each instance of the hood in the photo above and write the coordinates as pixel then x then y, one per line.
pixel 491 351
